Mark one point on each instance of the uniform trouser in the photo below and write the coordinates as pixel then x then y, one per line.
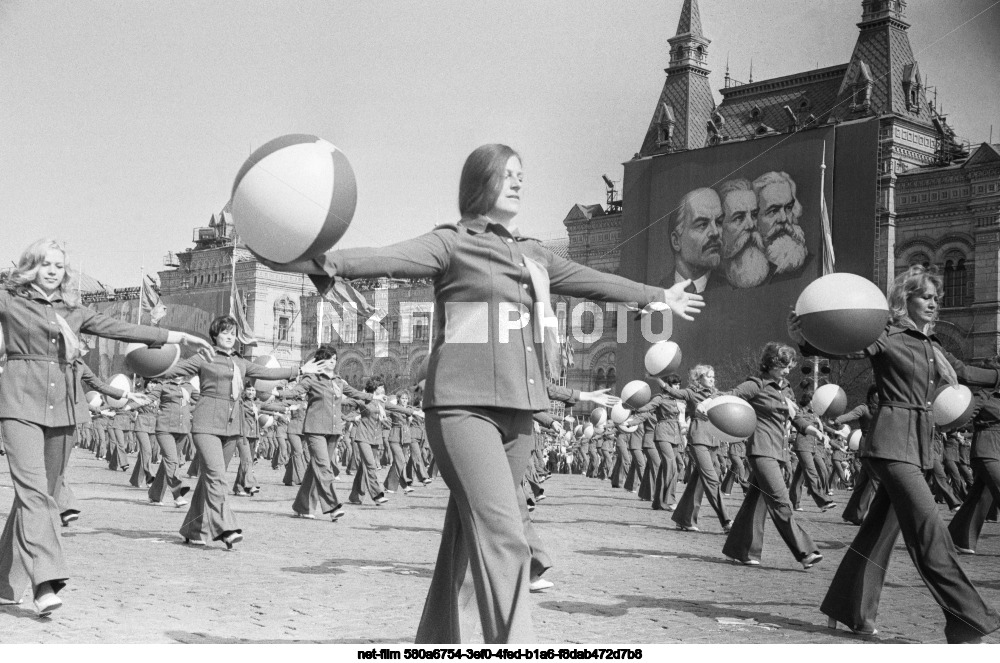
pixel 623 463
pixel 607 464
pixel 636 469
pixel 904 503
pixel 281 456
pixel 194 469
pixel 940 486
pixel 415 469
pixel 484 559
pixel 967 524
pixel 865 485
pixel 117 453
pixel 805 472
pixel 142 467
pixel 209 514
pixel 366 478
pixel 396 475
pixel 649 473
pixel 704 481
pixel 767 494
pixel 62 492
pixel 187 448
pixel 955 477
pixel 166 476
pixel 295 468
pixel 30 546
pixel 822 472
pixel 332 447
pixel 101 448
pixel 737 468
pixel 666 475
pixel 317 484
pixel 245 477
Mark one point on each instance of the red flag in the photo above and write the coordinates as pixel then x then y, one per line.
pixel 244 334
pixel 343 292
pixel 150 305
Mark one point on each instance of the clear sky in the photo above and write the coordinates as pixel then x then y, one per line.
pixel 122 124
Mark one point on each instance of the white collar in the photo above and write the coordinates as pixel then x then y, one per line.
pixel 700 283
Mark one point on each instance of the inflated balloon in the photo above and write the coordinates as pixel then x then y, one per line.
pixel 149 362
pixel 733 416
pixel 952 406
pixel 635 394
pixel 844 431
pixel 264 420
pixel 619 413
pixel 854 441
pixel 294 198
pixel 119 381
pixel 629 429
pixel 829 401
pixel 598 416
pixel 94 399
pixel 578 431
pixel 267 361
pixel 588 431
pixel 842 313
pixel 663 358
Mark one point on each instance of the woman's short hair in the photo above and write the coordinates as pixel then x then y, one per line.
pixel 325 351
pixel 776 355
pixel 913 280
pixel 223 323
pixel 806 397
pixel 698 372
pixel 482 178
pixel 374 383
pixel 31 261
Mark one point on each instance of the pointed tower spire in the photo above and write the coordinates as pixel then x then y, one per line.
pixel 680 120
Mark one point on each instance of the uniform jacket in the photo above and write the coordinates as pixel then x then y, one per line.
pixel 39 385
pixel 986 426
pixel 173 415
pixel 478 268
pixel 905 376
pixel 700 432
pixel 326 394
pixel 217 412
pixel 769 402
pixel 374 414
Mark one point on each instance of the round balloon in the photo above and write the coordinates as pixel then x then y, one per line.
pixel 629 429
pixel 578 431
pixel 619 413
pixel 588 431
pixel 151 363
pixel 264 420
pixel 294 198
pixel 952 406
pixel 119 381
pixel 598 416
pixel 829 401
pixel 635 394
pixel 94 399
pixel 267 361
pixel 663 358
pixel 842 313
pixel 733 416
pixel 854 441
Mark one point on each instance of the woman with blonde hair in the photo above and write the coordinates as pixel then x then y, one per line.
pixel 484 381
pixel 41 403
pixel 909 365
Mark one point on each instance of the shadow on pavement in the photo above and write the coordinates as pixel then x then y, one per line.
pixel 186 637
pixel 340 565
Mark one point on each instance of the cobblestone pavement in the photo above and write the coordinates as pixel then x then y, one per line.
pixel 622 573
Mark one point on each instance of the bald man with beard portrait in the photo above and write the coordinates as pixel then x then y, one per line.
pixel 778 222
pixel 744 260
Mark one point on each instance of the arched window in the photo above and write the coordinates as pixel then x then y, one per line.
pixel 920 259
pixel 599 379
pixel 955 277
pixel 611 378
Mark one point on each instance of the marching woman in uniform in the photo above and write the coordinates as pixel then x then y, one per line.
pixel 399 437
pixel 865 481
pixel 770 397
pixel 909 364
pixel 295 468
pixel 485 379
pixel 218 425
pixel 144 421
pixel 172 426
pixel 967 524
pixel 40 404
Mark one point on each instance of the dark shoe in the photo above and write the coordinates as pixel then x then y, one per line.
pixel 727 527
pixel 832 623
pixel 68 517
pixel 745 562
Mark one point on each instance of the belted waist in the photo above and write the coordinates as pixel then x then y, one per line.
pixel 29 357
pixel 904 406
pixel 218 397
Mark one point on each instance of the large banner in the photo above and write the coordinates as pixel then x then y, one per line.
pixel 743 221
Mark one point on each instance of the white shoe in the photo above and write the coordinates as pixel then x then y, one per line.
pixel 179 502
pixel 155 503
pixel 46 603
pixel 407 490
pixel 307 516
pixel 381 500
pixel 811 560
pixel 337 514
pixel 540 584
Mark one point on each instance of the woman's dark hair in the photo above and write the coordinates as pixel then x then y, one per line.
pixel 482 178
pixel 673 380
pixel 806 397
pixel 324 352
pixel 221 324
pixel 775 355
pixel 373 384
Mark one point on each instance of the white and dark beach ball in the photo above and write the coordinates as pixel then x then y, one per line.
pixel 588 431
pixel 854 441
pixel 842 313
pixel 829 401
pixel 598 416
pixel 620 413
pixel 294 198
pixel 733 416
pixel 635 394
pixel 149 362
pixel 952 406
pixel 123 382
pixel 264 420
pixel 94 399
pixel 663 358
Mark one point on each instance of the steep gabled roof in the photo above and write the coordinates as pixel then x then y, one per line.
pixel 983 154
pixel 584 212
